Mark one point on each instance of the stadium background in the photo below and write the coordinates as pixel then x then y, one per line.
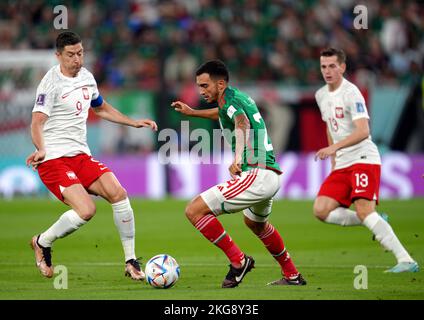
pixel 144 54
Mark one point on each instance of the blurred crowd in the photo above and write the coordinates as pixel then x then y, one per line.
pixel 146 43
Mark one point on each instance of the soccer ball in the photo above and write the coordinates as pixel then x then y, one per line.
pixel 162 271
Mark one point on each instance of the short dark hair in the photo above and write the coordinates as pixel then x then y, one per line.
pixel 329 52
pixel 215 68
pixel 67 38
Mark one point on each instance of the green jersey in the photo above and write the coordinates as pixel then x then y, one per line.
pixel 258 152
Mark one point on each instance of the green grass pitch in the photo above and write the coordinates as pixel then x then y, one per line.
pixel 325 254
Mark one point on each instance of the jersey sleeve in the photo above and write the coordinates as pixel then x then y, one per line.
pixel 45 97
pixel 96 98
pixel 318 100
pixel 355 104
pixel 233 110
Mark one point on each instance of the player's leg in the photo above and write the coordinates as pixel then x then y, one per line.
pixel 203 210
pixel 204 220
pixel 333 200
pixel 83 209
pixel 329 210
pixel 385 235
pixel 365 180
pixel 256 218
pixel 108 187
pixel 64 184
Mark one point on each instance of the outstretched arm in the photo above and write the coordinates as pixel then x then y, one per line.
pixel 186 110
pixel 107 112
pixel 361 132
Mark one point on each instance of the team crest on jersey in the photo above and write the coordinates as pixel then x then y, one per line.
pixel 71 175
pixel 85 93
pixel 339 113
pixel 41 99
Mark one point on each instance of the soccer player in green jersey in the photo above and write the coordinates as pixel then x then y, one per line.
pixel 255 177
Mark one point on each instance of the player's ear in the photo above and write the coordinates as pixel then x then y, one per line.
pixel 343 67
pixel 221 84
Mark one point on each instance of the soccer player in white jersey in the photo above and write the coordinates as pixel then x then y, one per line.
pixel 355 176
pixel 63 159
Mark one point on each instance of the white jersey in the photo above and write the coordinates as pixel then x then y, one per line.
pixel 66 101
pixel 339 109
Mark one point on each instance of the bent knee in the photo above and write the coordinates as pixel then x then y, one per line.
pixel 320 211
pixel 191 213
pixel 119 195
pixel 87 211
pixel 256 227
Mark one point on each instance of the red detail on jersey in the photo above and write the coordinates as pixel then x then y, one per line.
pixel 220 188
pixel 339 113
pixel 85 93
pixel 221 102
pixel 68 93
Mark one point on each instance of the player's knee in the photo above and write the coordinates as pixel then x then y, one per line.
pixel 190 212
pixel 256 227
pixel 87 211
pixel 320 211
pixel 119 195
pixel 363 208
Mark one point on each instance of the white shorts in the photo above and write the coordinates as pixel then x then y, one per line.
pixel 252 192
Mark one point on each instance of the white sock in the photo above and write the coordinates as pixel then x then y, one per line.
pixel 67 223
pixel 386 236
pixel 123 216
pixel 344 217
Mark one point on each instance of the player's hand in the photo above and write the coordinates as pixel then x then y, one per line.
pixel 146 123
pixel 324 153
pixel 35 158
pixel 182 108
pixel 235 169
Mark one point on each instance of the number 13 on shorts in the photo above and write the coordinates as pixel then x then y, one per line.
pixel 366 181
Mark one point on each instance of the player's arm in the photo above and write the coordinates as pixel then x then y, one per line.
pixel 107 112
pixel 37 124
pixel 188 111
pixel 361 132
pixel 241 129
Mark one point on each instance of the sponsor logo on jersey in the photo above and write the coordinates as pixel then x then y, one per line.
pixel 85 93
pixel 41 99
pixel 71 175
pixel 360 107
pixel 339 113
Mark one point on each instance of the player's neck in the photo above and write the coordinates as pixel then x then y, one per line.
pixel 335 86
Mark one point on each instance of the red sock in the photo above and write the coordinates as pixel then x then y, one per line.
pixel 212 229
pixel 274 243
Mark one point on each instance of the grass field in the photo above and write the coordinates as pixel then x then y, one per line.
pixel 325 254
